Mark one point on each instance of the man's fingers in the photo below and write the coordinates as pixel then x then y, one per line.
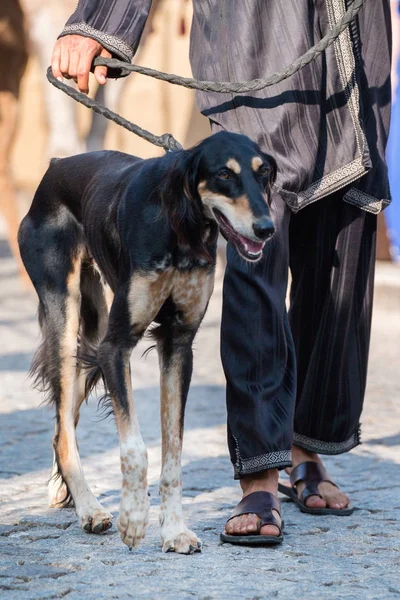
pixel 55 62
pixel 74 59
pixel 101 72
pixel 64 60
pixel 85 63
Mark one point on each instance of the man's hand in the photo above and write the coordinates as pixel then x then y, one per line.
pixel 72 58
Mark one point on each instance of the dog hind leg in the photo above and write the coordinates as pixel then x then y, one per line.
pixel 52 246
pixel 93 326
pixel 92 516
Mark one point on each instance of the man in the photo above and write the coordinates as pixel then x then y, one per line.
pixel 295 383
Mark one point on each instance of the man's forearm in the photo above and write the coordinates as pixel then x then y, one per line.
pixel 117 24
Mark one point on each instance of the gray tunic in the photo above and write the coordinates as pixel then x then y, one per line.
pixel 326 126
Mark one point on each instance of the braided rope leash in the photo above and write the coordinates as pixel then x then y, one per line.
pixel 167 141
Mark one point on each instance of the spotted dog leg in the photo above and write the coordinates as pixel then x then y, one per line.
pixel 133 309
pixel 191 294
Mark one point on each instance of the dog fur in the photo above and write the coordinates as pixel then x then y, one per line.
pixel 112 244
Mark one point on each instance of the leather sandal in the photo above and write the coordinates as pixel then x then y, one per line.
pixel 311 474
pixel 260 504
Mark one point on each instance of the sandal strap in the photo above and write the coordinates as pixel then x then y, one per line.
pixel 311 474
pixel 261 504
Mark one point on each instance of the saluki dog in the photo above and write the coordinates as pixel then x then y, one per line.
pixel 114 243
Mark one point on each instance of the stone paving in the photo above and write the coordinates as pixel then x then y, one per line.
pixel 44 554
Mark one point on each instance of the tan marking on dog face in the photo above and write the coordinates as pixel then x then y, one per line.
pixel 242 206
pixel 234 166
pixel 256 163
pixel 237 210
pixel 201 188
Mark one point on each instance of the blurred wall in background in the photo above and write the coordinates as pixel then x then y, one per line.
pixel 45 114
pixel 154 105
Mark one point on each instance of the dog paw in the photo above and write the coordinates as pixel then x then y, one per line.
pixel 132 527
pixel 185 542
pixel 97 522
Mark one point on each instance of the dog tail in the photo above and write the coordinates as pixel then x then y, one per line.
pixel 43 371
pixel 94 376
pixel 45 365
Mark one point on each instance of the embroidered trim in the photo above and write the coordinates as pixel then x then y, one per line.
pixel 266 461
pixel 325 186
pixel 347 68
pixel 112 43
pixel 273 460
pixel 365 201
pixel 355 169
pixel 327 447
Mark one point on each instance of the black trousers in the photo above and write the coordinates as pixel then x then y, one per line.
pixel 299 377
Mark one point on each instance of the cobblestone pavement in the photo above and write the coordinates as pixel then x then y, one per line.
pixel 44 554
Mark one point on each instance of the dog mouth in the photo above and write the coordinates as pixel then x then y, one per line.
pixel 248 249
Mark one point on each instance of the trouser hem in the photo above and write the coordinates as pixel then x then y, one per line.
pixel 257 464
pixel 330 448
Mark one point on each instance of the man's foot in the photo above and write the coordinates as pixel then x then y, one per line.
pixel 332 497
pixel 250 524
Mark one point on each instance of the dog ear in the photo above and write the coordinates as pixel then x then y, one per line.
pixel 182 203
pixel 272 177
pixel 274 167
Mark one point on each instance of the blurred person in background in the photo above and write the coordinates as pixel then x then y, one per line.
pixel 295 382
pixel 13 60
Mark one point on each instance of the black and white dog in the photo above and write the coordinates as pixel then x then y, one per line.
pixel 113 243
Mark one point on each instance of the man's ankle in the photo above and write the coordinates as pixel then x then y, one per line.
pixel 265 481
pixel 300 455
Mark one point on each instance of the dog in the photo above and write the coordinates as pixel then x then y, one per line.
pixel 114 243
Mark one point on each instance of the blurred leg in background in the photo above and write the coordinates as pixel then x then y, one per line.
pixel 13 59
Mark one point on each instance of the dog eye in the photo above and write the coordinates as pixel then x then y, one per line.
pixel 224 174
pixel 264 170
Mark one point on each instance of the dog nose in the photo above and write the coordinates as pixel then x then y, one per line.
pixel 263 228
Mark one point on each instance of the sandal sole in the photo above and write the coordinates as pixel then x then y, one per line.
pixel 251 540
pixel 291 494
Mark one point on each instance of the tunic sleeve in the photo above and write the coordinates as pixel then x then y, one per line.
pixel 116 24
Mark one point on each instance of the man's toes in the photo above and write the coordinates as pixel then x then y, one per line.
pixel 229 527
pixel 270 530
pixel 252 524
pixel 243 525
pixel 337 501
pixel 334 497
pixel 249 524
pixel 315 502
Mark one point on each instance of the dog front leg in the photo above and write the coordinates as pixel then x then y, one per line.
pixel 134 506
pixel 175 356
pixel 129 317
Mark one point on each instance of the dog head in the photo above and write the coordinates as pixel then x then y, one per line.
pixel 227 179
